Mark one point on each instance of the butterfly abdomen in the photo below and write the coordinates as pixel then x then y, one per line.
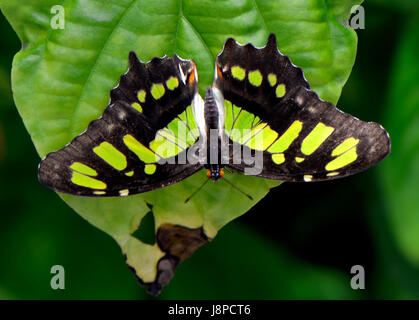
pixel 213 136
pixel 211 111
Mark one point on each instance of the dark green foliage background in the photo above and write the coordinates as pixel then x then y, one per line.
pixel 299 242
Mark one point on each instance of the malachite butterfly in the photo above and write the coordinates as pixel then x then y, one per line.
pixel 259 117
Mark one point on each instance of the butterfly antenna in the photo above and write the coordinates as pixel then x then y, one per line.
pixel 239 190
pixel 228 170
pixel 197 190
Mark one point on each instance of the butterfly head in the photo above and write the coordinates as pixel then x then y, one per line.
pixel 187 71
pixel 215 173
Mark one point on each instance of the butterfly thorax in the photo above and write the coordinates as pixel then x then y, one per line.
pixel 214 141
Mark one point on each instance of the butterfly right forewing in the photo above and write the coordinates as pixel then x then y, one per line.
pixel 270 109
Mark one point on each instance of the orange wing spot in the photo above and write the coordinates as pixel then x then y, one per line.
pixel 219 73
pixel 192 78
pixel 221 173
pixel 209 173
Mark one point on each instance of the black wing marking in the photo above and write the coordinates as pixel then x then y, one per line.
pixel 141 76
pixel 258 100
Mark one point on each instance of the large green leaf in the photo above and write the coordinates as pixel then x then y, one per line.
pixel 61 81
pixel 400 171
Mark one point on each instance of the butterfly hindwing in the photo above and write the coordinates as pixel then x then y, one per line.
pixel 270 109
pixel 134 146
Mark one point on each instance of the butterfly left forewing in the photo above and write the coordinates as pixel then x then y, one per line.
pixel 135 146
pixel 270 109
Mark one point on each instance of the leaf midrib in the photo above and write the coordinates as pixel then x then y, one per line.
pixel 91 71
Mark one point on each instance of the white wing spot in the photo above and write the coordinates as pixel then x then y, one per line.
pixel 299 100
pixel 124 192
pixel 312 109
pixel 182 75
pixel 122 115
pixel 308 178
